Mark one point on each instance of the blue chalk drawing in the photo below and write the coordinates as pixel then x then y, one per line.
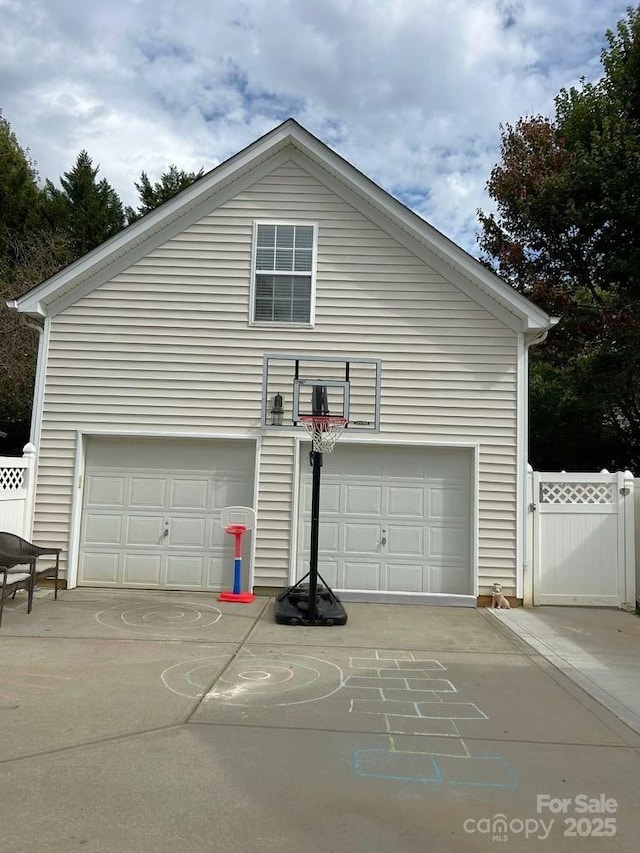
pixel 411 709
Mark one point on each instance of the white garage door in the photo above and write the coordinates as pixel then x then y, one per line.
pixel 392 519
pixel 151 512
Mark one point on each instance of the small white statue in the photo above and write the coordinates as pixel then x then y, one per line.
pixel 498 599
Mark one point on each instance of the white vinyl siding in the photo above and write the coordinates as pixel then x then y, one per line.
pixel 164 348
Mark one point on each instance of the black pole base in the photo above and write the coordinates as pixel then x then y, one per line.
pixel 292 607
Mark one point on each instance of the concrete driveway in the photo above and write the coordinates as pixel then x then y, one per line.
pixel 143 721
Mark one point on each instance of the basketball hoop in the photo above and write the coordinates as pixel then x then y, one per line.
pixel 323 430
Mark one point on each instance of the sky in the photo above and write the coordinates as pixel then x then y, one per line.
pixel 411 92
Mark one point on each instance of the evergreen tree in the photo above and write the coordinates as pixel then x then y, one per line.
pixel 89 210
pixel 171 182
pixel 30 251
pixel 19 193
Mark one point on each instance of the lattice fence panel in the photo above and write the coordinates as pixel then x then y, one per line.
pixel 576 493
pixel 11 479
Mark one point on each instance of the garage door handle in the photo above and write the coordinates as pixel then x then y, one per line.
pixel 383 541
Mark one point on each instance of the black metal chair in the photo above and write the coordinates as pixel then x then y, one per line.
pixel 12 581
pixel 23 553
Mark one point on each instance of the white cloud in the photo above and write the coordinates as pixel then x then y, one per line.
pixel 412 92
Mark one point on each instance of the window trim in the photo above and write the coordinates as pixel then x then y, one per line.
pixel 283 324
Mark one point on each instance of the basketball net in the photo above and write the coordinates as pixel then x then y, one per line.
pixel 323 430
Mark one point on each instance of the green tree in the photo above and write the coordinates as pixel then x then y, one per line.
pixel 30 251
pixel 19 193
pixel 32 259
pixel 89 210
pixel 566 233
pixel 171 182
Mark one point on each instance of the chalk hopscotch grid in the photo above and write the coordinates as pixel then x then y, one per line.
pixel 412 703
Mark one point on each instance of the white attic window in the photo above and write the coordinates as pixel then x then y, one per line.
pixel 284 273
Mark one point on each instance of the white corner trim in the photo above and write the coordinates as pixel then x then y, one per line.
pixel 44 333
pixel 76 512
pixel 257 464
pixel 475 521
pixel 522 435
pixel 295 509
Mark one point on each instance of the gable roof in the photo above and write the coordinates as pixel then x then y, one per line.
pixel 289 141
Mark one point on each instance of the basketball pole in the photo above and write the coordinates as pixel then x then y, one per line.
pixel 315 531
pixel 319 407
pixel 297 606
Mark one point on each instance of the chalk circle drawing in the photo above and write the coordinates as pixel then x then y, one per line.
pixel 193 678
pixel 263 681
pixel 162 618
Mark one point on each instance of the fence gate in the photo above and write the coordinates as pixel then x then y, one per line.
pixel 583 539
pixel 17 491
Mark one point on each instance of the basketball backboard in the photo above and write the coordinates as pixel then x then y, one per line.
pixel 238 515
pixel 295 386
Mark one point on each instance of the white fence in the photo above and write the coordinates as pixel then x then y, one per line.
pixel 17 492
pixel 582 539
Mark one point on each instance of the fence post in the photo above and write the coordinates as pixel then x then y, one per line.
pixel 535 537
pixel 527 588
pixel 628 509
pixel 30 456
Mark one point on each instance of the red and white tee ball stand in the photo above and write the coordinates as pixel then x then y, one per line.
pixel 236 520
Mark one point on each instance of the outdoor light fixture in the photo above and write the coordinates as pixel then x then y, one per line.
pixel 277 410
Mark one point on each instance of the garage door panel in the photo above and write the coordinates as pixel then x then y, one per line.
pixel 147 493
pixel 402 466
pixel 189 493
pixel 404 577
pixel 362 538
pixel 106 491
pixel 229 491
pixel 448 542
pixel 102 529
pixel 448 503
pixel 99 567
pixel 185 571
pixel 405 539
pixel 405 501
pixel 218 538
pixel 329 571
pixel 452 579
pixel 363 500
pixel 218 571
pixel 142 568
pixel 361 575
pixel 144 530
pixel 187 532
pixel 330 499
pixel 328 537
pixel 356 464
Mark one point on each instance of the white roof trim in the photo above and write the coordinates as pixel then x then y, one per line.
pixel 128 242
